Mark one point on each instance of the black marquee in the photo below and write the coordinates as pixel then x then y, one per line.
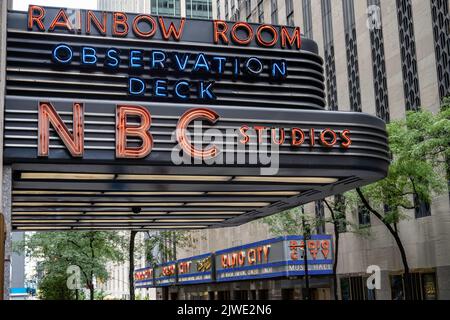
pixel 100 191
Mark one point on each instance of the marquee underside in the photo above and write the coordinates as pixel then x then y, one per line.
pixel 141 198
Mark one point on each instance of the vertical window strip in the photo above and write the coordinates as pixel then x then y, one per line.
pixel 307 19
pixel 290 13
pixel 408 55
pixel 330 66
pixel 378 62
pixel 441 30
pixel 274 8
pixel 352 55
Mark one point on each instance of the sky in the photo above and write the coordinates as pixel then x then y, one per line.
pixel 78 4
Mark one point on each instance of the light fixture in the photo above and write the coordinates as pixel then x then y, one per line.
pixel 106 227
pixel 42 213
pixel 187 220
pixel 228 204
pixel 206 212
pixel 150 177
pixel 155 193
pixel 115 220
pixel 101 213
pixel 41 192
pixel 43 221
pixel 50 204
pixel 175 227
pixel 139 204
pixel 43 228
pixel 311 180
pixel 254 193
pixel 66 176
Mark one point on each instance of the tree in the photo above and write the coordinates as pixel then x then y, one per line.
pixel 131 260
pixel 420 146
pixel 90 251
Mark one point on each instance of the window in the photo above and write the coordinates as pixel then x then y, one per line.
pixel 218 10
pixel 355 288
pixel 307 19
pixel 260 12
pixel 165 7
pixel 421 208
pixel 378 62
pixel 274 9
pixel 423 286
pixel 408 54
pixel 320 217
pixel 330 66
pixel 363 216
pixel 352 55
pixel 248 11
pixel 441 25
pixel 290 13
pixel 199 9
pixel 227 14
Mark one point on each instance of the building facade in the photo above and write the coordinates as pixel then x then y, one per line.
pixel 382 58
pixel 201 9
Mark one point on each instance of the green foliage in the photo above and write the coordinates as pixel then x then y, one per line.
pixel 420 146
pixel 164 242
pixel 90 251
pixel 53 286
pixel 288 222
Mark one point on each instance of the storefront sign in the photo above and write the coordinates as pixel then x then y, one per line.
pixel 198 269
pixel 279 257
pixel 143 278
pixel 165 274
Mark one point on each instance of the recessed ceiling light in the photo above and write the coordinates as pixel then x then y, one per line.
pixel 150 177
pixel 228 204
pixel 66 176
pixel 311 180
pixel 206 212
pixel 43 228
pixel 139 204
pixel 254 193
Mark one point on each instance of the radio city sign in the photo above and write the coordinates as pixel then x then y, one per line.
pixel 275 258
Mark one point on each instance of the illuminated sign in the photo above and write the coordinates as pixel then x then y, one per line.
pixel 272 258
pixel 198 269
pixel 279 257
pixel 165 274
pixel 143 278
pixel 140 101
pixel 143 26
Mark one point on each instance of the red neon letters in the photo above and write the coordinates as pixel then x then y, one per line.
pixel 124 130
pixel 145 26
pixel 73 141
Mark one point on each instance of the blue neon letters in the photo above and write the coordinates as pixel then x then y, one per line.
pixel 145 66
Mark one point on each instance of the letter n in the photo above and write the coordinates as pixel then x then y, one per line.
pixel 123 131
pixel 74 141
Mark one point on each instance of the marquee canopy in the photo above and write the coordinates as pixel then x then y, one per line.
pixel 91 127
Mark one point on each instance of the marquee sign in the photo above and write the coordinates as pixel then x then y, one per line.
pixel 275 258
pixel 165 274
pixel 198 269
pixel 188 123
pixel 143 278
pixel 272 258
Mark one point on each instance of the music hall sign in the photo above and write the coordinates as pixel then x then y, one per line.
pixel 170 99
